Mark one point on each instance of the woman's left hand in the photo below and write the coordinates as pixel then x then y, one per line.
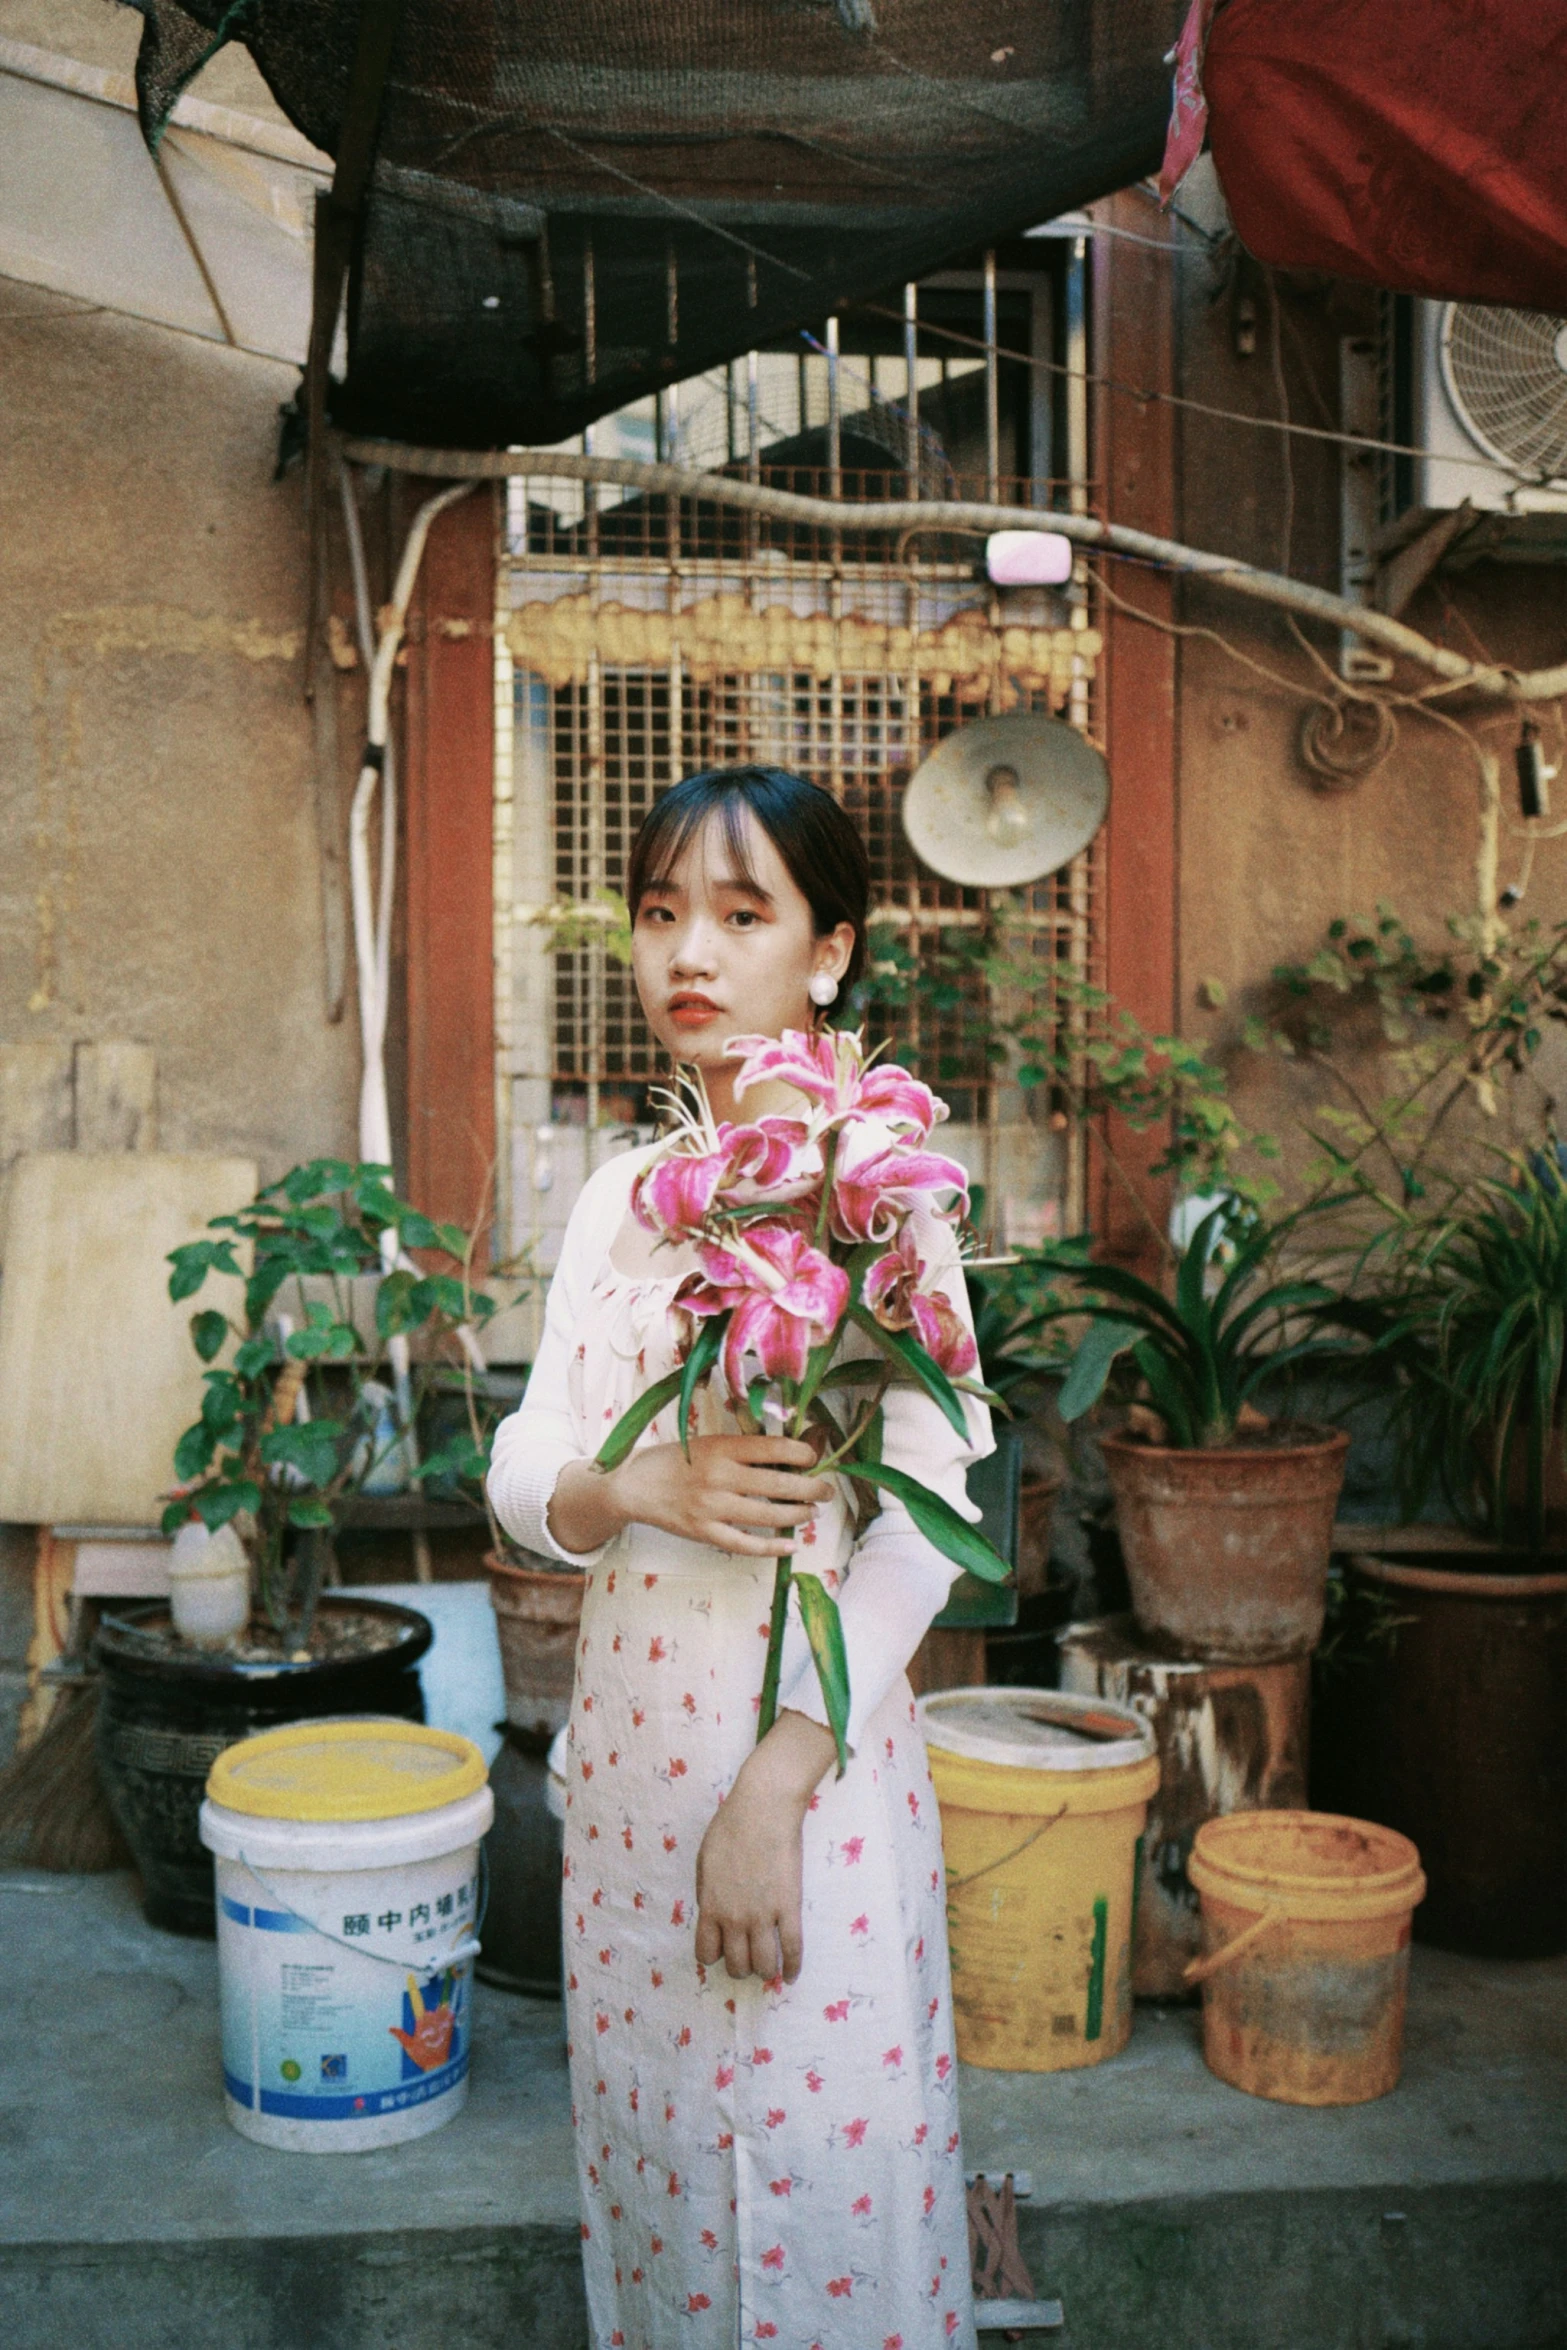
pixel 748 1870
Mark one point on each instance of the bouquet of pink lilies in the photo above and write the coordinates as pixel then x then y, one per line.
pixel 803 1227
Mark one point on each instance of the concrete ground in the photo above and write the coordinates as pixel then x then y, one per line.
pixel 1169 2212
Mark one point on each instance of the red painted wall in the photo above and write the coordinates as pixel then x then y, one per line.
pixel 1133 343
pixel 449 771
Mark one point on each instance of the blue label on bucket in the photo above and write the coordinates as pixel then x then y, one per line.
pixel 296 2106
pixel 325 2019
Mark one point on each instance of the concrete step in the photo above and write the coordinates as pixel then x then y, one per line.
pixel 1168 2212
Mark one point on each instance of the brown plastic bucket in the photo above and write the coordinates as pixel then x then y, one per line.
pixel 1305 1970
pixel 1227 1550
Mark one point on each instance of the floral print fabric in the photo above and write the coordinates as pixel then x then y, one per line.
pixel 758 2162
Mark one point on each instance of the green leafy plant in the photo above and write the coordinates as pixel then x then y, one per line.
pixel 1018 1336
pixel 287 1428
pixel 1450 1027
pixel 1465 1314
pixel 1203 1353
pixel 1076 1056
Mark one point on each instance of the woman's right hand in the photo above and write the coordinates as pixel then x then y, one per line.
pixel 748 1495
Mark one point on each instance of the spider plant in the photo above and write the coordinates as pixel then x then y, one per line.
pixel 1203 1353
pixel 1469 1310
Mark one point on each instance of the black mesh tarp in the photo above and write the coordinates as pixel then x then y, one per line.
pixel 577 201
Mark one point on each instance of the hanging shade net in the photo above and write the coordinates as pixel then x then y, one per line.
pixel 574 202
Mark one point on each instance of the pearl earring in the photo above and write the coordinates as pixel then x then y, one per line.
pixel 822 988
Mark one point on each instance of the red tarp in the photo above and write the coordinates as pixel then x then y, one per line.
pixel 1419 144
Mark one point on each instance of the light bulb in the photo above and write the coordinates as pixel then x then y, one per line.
pixel 1008 819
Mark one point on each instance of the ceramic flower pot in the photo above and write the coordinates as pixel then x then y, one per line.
pixel 538 1608
pixel 1227 1550
pixel 1457 1724
pixel 167 1713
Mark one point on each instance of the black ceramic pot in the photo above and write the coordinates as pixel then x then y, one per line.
pixel 163 1720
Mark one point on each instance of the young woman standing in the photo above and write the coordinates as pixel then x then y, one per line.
pixel 763 2080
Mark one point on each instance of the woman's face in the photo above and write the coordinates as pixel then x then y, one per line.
pixel 718 956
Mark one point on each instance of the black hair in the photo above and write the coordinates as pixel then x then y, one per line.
pixel 819 844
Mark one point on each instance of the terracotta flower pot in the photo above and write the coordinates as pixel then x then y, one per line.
pixel 537 1612
pixel 1037 1495
pixel 1227 1550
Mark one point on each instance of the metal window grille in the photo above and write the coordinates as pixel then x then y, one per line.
pixel 614 656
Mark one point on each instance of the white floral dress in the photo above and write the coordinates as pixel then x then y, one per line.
pixel 758 2162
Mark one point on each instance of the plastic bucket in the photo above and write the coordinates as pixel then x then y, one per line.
pixel 1305 1920
pixel 347 1860
pixel 1043 1798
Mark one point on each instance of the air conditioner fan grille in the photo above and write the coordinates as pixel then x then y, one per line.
pixel 1507 377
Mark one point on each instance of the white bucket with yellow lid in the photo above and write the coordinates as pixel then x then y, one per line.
pixel 347 1857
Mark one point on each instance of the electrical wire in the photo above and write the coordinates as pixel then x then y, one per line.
pixel 1146 397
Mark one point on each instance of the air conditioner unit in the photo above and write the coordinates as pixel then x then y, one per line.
pixel 1483 392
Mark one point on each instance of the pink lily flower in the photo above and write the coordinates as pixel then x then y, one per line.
pixel 773 1161
pixel 877 1178
pixel 895 1293
pixel 829 1069
pixel 784 1295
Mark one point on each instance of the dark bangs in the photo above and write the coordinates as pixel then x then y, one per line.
pixel 820 845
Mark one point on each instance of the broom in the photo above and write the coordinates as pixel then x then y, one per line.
pixel 54 1813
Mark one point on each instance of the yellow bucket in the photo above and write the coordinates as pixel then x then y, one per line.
pixel 1305 1921
pixel 1043 1798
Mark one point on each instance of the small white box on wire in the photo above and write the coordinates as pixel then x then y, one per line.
pixel 1028 558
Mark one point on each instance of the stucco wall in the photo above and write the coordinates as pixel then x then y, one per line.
pixel 1266 857
pixel 160 880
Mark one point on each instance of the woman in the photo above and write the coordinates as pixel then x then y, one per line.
pixel 768 2147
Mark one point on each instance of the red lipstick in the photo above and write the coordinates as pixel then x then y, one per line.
pixel 688 1010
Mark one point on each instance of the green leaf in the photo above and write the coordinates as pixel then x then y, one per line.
pixel 824 1631
pixel 1169 1391
pixel 195 1261
pixel 207 1333
pixel 704 1354
pixel 174 1517
pixel 459 1457
pixel 859 1371
pixel 416 1231
pixel 936 1519
pixel 906 1349
pixel 392 1310
pixel 216 1504
pixel 1098 1348
pixel 194 1452
pixel 309 1513
pixel 310 1446
pixel 630 1425
pixel 221 1405
pixel 254 1357
pixel 325 1340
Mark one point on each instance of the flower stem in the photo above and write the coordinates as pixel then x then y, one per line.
pixel 775 1641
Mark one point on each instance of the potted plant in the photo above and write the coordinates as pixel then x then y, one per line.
pixel 1011 1305
pixel 1458 1719
pixel 292 1423
pixel 1225 1515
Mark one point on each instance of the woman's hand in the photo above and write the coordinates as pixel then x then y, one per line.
pixel 748 1870
pixel 743 1494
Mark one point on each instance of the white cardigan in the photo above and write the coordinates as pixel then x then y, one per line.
pixel 897 1581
